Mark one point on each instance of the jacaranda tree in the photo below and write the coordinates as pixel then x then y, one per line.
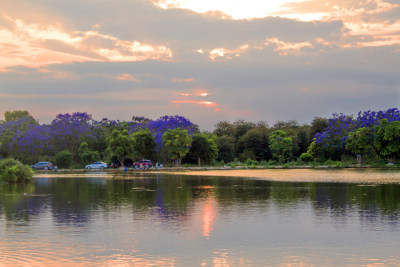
pixel 67 131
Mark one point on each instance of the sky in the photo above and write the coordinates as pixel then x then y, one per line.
pixel 207 60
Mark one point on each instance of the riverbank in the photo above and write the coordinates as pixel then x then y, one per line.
pixel 335 175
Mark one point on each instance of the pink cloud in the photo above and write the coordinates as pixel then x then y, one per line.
pixel 35 45
pixel 126 77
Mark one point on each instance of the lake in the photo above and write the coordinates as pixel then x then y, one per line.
pixel 174 220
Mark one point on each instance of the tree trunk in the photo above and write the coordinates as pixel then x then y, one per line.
pixel 198 161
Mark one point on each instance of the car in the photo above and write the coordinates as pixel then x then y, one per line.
pixel 44 165
pixel 97 165
pixel 143 164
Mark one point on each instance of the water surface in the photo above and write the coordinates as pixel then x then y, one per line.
pixel 172 220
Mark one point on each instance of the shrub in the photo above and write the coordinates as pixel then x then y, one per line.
pixel 63 159
pixel 306 157
pixel 12 170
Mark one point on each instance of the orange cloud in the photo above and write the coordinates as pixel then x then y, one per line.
pixel 34 45
pixel 126 77
pixel 227 53
pixel 285 48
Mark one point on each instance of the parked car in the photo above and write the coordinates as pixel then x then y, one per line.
pixel 143 164
pixel 97 165
pixel 44 165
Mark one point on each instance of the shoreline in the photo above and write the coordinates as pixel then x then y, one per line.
pixel 330 175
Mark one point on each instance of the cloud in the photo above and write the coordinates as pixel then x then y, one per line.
pixel 129 57
pixel 34 45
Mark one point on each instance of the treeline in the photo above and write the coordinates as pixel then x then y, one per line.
pixel 74 140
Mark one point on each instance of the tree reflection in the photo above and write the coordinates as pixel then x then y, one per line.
pixel 171 198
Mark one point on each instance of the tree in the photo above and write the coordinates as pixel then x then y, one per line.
pixel 165 123
pixel 63 159
pixel 226 148
pixel 144 143
pixel 121 144
pixel 12 170
pixel 87 156
pixel 387 139
pixel 11 129
pixel 280 145
pixel 256 141
pixel 31 145
pixel 225 128
pixel 177 143
pixel 68 131
pixel 204 147
pixel 333 138
pixel 16 115
pixel 318 125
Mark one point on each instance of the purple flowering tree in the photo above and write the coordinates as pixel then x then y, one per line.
pixel 67 131
pixel 31 145
pixel 369 123
pixel 160 126
pixel 10 129
pixel 333 138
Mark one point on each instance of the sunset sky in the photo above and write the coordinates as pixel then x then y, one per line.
pixel 207 60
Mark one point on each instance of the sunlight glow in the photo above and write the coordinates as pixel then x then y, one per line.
pixel 237 9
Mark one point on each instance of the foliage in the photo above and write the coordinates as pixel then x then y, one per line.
pixel 306 157
pixel 226 148
pixel 177 143
pixel 165 123
pixel 121 144
pixel 204 147
pixel 12 170
pixel 225 128
pixel 16 115
pixel 31 145
pixel 86 155
pixel 387 139
pixel 63 159
pixel 280 145
pixel 144 143
pixel 256 141
pixel 68 130
pixel 10 129
pixel 318 125
pixel 335 135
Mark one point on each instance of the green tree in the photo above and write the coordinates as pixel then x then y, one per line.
pixel 12 170
pixel 121 144
pixel 318 125
pixel 204 148
pixel 86 155
pixel 280 145
pixel 226 148
pixel 387 139
pixel 256 141
pixel 225 128
pixel 16 115
pixel 177 143
pixel 63 159
pixel 144 143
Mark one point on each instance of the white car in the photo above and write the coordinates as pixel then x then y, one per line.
pixel 97 165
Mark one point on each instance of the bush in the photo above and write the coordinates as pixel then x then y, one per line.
pixel 12 170
pixel 306 157
pixel 63 159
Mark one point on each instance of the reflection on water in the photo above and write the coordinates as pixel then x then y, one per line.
pixel 166 220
